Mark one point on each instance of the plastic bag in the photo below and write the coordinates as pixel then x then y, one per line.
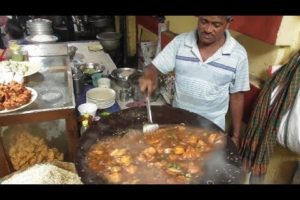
pixel 147 50
pixel 289 129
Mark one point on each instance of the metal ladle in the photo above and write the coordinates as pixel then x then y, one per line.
pixel 150 126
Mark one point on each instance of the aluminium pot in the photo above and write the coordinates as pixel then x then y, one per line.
pixel 229 172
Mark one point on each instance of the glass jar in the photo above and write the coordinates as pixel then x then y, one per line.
pixel 15 52
pixel 25 55
pixel 17 55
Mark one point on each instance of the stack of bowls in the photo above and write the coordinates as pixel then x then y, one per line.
pixel 102 97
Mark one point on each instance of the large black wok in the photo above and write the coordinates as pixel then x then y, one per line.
pixel 222 167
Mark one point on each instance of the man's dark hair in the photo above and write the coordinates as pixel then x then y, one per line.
pixel 229 18
pixel 14 29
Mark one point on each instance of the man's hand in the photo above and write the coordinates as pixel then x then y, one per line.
pixel 148 81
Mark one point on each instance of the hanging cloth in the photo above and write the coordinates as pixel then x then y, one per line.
pixel 258 143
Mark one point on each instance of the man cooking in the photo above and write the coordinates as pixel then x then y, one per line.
pixel 211 72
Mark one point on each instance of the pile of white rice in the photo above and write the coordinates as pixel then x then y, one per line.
pixel 44 174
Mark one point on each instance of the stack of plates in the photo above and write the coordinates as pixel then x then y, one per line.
pixel 102 97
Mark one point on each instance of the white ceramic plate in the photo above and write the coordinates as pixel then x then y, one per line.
pixel 33 98
pixel 100 105
pixel 32 67
pixel 101 94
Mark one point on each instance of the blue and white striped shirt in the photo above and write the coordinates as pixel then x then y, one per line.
pixel 204 87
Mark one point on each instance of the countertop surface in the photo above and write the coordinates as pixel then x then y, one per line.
pixel 85 55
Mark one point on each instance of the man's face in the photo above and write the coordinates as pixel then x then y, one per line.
pixel 211 28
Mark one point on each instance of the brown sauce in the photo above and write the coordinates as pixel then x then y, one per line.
pixel 174 154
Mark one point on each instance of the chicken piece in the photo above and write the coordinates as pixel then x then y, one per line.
pixel 125 160
pixel 131 169
pixel 173 157
pixel 193 168
pixel 114 177
pixel 192 140
pixel 201 143
pixel 147 154
pixel 191 153
pixel 141 158
pixel 115 169
pixel 160 164
pixel 117 152
pixel 97 152
pixel 167 150
pixel 179 150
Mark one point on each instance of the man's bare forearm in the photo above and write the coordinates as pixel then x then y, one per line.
pixel 236 110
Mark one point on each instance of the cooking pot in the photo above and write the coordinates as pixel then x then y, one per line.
pixel 225 168
pixel 109 40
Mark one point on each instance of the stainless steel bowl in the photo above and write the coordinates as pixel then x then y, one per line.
pixel 109 40
pixel 121 76
pixel 91 68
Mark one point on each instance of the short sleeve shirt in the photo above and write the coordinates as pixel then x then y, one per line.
pixel 204 87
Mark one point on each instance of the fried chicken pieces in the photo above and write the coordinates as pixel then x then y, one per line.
pixel 26 150
pixel 13 95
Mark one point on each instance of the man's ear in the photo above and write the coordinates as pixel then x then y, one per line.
pixel 228 24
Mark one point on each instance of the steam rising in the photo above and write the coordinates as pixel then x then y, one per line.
pixel 219 171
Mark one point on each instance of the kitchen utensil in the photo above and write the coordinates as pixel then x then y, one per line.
pixel 150 126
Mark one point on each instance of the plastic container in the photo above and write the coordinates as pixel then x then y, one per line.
pixel 88 108
pixel 104 82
